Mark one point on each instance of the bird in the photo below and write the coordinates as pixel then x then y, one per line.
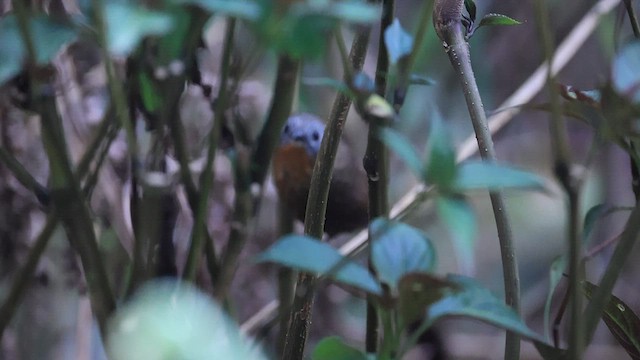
pixel 292 167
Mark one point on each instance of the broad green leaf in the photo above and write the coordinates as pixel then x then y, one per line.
pixel 621 321
pixel 497 19
pixel 128 24
pixel 398 249
pixel 470 5
pixel 441 169
pixel 398 42
pixel 168 319
pixel 403 148
pixel 461 297
pixel 555 274
pixel 460 220
pixel 149 93
pixel 625 76
pixel 333 348
pixel 307 254
pixel 491 176
pixel 48 38
pixel 242 9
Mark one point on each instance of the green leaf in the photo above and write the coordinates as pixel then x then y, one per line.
pixel 398 42
pixel 497 19
pixel 471 9
pixel 403 148
pixel 333 348
pixel 460 220
pixel 128 24
pixel 441 169
pixel 168 319
pixel 399 249
pixel 621 321
pixel 625 76
pixel 48 38
pixel 458 296
pixel 242 9
pixel 484 175
pixel 307 254
pixel 555 274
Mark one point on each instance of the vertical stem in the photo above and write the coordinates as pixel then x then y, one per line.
pixel 560 150
pixel 377 166
pixel 633 19
pixel 206 178
pixel 316 207
pixel 449 27
pixel 281 103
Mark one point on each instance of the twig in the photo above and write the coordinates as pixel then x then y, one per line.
pixel 469 147
pixel 316 206
pixel 451 30
pixel 24 177
pixel 206 178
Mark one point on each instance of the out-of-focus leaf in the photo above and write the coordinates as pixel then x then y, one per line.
pixel 621 321
pixel 328 82
pixel 398 249
pixel 470 5
pixel 310 255
pixel 484 175
pixel 357 12
pixel 48 38
pixel 549 352
pixel 174 320
pixel 441 169
pixel 242 9
pixel 555 274
pixel 625 76
pixel 590 220
pixel 497 19
pixel 399 42
pixel 148 92
pixel 416 79
pixel 461 222
pixel 128 24
pixel 458 296
pixel 403 148
pixel 333 348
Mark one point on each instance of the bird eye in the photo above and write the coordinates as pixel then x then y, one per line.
pixel 315 136
pixel 286 128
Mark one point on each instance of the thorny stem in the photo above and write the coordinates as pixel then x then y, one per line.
pixel 300 318
pixel 447 19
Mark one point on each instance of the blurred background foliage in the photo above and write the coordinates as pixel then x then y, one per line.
pixel 54 321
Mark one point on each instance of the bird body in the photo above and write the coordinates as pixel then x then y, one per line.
pixel 293 163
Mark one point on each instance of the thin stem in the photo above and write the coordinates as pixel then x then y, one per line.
pixel 449 27
pixel 376 164
pixel 66 193
pixel 23 277
pixel 281 103
pixel 317 205
pixel 206 178
pixel 633 19
pixel 602 294
pixel 560 151
pixel 24 177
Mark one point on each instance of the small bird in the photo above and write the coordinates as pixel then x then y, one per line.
pixel 293 163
